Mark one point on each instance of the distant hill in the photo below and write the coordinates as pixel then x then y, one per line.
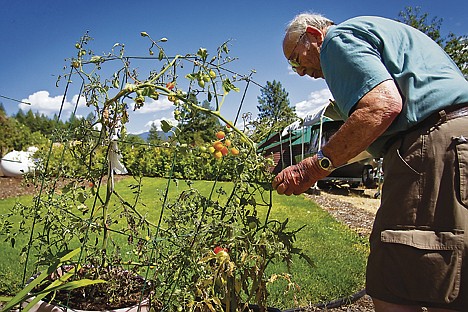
pixel 143 135
pixel 164 136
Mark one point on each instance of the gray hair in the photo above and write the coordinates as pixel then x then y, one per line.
pixel 300 22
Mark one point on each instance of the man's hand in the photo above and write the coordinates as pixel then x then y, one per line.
pixel 299 178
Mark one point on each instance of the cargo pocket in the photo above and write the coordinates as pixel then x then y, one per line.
pixel 462 159
pixel 423 265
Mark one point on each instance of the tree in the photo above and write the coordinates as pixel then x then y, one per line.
pixel 16 136
pixel 20 116
pixel 134 140
pixel 455 46
pixel 196 126
pixel 153 135
pixel 2 110
pixel 274 110
pixel 37 122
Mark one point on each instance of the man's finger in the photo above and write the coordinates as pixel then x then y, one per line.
pixel 281 188
pixel 275 183
pixel 288 192
pixel 277 180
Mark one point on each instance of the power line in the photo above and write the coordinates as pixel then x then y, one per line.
pixel 9 98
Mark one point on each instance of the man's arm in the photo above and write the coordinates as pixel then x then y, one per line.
pixel 374 113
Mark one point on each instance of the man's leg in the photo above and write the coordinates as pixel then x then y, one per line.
pixel 383 306
pixel 439 310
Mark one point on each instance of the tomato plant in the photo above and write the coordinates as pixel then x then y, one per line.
pixel 207 251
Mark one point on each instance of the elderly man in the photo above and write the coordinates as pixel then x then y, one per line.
pixel 403 99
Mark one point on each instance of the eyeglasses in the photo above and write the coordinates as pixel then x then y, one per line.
pixel 295 63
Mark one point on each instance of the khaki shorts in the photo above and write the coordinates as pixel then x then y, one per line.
pixel 419 243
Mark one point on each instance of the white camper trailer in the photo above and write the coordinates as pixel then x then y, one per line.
pixel 323 123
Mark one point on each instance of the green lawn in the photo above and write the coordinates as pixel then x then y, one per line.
pixel 338 253
pixel 11 270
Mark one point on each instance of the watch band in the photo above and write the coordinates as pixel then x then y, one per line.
pixel 324 162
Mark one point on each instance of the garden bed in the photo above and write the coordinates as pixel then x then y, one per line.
pixel 17 186
pixel 355 210
pixel 13 187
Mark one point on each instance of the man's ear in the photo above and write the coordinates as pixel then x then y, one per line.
pixel 316 33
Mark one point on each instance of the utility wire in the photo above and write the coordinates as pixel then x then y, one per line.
pixel 9 98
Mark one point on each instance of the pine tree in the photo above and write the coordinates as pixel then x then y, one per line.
pixel 2 110
pixel 153 135
pixel 198 127
pixel 274 110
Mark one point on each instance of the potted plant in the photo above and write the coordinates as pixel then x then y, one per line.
pixel 207 251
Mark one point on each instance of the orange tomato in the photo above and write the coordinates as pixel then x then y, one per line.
pixel 220 135
pixel 218 145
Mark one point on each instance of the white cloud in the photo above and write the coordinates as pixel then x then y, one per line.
pixel 315 100
pixel 98 126
pixel 152 106
pixel 81 100
pixel 157 123
pixel 42 102
pixel 157 111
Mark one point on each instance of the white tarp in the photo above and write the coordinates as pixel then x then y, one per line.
pixel 294 126
pixel 315 116
pixel 17 163
pixel 310 119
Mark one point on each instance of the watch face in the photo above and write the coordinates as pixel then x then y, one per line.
pixel 325 163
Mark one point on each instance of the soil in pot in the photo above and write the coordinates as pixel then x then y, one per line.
pixel 123 289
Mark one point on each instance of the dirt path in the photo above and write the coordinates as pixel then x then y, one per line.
pixel 12 187
pixel 355 208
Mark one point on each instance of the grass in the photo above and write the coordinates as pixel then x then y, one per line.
pixel 338 253
pixel 11 270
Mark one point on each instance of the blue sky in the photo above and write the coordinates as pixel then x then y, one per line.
pixel 37 36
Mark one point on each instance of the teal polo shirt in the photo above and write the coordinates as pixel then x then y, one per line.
pixel 362 52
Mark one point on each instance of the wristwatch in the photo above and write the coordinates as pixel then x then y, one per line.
pixel 324 162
